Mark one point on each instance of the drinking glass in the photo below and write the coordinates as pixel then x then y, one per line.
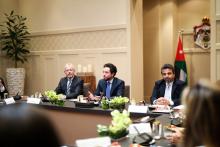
pixel 157 130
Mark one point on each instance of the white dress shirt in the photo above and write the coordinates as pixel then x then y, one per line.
pixel 168 92
pixel 2 88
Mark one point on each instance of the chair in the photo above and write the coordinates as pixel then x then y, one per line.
pixel 86 88
pixel 127 91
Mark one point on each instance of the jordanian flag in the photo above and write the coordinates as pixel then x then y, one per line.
pixel 180 63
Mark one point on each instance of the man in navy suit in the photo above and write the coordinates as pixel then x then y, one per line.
pixel 167 91
pixel 71 85
pixel 109 86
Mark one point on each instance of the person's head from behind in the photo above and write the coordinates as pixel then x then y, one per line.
pixel 23 125
pixel 168 72
pixel 69 70
pixel 202 115
pixel 109 71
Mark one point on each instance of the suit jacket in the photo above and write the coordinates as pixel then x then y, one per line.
pixel 75 88
pixel 2 93
pixel 159 91
pixel 117 88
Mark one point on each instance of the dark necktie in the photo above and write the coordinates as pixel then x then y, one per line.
pixel 108 90
pixel 68 85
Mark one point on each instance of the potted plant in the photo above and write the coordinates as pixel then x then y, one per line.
pixel 54 98
pixel 115 103
pixel 118 127
pixel 14 40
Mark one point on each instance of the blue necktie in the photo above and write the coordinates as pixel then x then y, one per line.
pixel 108 90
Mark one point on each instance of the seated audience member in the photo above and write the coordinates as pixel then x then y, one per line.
pixel 23 125
pixel 3 88
pixel 202 123
pixel 167 91
pixel 109 86
pixel 71 85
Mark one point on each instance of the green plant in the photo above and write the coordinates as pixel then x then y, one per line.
pixel 118 127
pixel 118 103
pixel 105 103
pixel 54 98
pixel 15 38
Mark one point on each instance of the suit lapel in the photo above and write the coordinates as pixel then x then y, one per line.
pixel 162 89
pixel 104 86
pixel 73 81
pixel 113 85
pixel 173 89
pixel 65 84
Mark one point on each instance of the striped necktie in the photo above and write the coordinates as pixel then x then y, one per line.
pixel 69 82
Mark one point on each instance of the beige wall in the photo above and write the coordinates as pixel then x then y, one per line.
pixel 162 22
pixel 6 6
pixel 195 56
pixel 215 40
pixel 82 32
pixel 136 43
pixel 45 15
pixel 151 44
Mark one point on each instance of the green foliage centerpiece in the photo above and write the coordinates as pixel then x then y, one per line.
pixel 54 98
pixel 118 127
pixel 115 103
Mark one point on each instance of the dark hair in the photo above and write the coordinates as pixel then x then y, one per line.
pixel 168 66
pixel 113 68
pixel 202 115
pixel 5 91
pixel 23 125
pixel 1 79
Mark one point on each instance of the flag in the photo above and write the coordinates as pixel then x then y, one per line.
pixel 180 63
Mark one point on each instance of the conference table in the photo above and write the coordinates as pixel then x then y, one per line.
pixel 74 123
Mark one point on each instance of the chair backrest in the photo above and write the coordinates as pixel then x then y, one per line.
pixel 86 88
pixel 127 91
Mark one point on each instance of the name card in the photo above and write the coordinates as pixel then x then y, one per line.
pixel 33 100
pixel 9 100
pixel 137 109
pixel 94 142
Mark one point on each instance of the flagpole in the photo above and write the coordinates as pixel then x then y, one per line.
pixel 181 34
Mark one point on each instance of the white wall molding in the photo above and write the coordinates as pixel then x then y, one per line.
pixel 196 50
pixel 80 29
pixel 82 51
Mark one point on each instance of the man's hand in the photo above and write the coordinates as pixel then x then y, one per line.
pixel 92 97
pixel 162 101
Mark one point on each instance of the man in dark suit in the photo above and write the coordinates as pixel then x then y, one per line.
pixel 167 91
pixel 71 85
pixel 109 86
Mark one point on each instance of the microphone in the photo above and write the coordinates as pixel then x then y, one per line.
pixel 17 97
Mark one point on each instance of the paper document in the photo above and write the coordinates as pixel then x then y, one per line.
pixel 94 142
pixel 141 127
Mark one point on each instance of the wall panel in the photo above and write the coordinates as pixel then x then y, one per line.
pixel 50 70
pixel 51 51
